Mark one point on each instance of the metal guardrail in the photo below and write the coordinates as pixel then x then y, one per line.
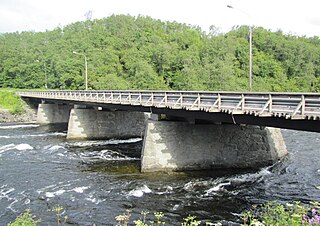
pixel 289 105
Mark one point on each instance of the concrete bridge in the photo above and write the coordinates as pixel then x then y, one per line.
pixel 185 130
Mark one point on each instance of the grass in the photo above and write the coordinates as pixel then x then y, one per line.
pixel 11 102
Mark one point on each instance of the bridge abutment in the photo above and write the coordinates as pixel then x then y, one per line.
pixel 94 124
pixel 53 113
pixel 178 146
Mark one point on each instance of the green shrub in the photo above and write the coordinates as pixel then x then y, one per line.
pixel 25 219
pixel 275 213
pixel 11 102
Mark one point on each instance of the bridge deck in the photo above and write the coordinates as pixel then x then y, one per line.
pixel 292 106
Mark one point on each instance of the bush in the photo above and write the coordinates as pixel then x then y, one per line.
pixel 10 101
pixel 25 219
pixel 275 213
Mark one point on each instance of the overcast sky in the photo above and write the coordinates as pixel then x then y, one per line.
pixel 300 17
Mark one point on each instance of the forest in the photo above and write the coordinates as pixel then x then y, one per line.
pixel 126 52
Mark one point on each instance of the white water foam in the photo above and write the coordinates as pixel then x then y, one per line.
pixel 6 148
pixel 216 188
pixel 19 147
pixel 53 194
pixel 250 177
pixel 44 135
pixel 59 189
pixel 192 185
pixel 103 142
pixel 6 137
pixel 56 148
pixel 80 189
pixel 10 207
pixel 94 200
pixel 113 155
pixel 139 192
pixel 23 147
pixel 18 126
pixel 168 190
pixel 35 135
pixel 238 180
pixel 4 192
pixel 27 201
pixel 105 155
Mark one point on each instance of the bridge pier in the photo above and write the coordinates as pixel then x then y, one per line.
pixel 53 113
pixel 177 146
pixel 94 124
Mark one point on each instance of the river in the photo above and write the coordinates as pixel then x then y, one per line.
pixel 94 181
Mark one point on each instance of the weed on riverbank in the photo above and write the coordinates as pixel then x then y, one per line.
pixel 272 213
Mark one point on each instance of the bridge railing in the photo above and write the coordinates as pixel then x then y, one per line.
pixel 288 105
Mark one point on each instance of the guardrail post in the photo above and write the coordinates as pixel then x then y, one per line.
pixel 219 102
pixel 242 103
pixel 165 98
pixel 270 103
pixel 152 99
pixel 140 96
pixel 303 105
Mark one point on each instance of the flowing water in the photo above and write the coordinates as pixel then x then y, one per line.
pixel 95 181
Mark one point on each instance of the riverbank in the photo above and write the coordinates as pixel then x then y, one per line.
pixel 29 115
pixel 14 109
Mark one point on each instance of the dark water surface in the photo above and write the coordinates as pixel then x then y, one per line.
pixel 97 180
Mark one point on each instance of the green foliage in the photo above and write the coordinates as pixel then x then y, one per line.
pixel 275 213
pixel 271 213
pixel 25 219
pixel 11 102
pixel 126 52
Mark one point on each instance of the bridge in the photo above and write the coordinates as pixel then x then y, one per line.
pixel 299 111
pixel 235 122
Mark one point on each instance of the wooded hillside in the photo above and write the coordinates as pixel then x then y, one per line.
pixel 126 52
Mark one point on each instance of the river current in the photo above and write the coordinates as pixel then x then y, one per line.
pixel 94 181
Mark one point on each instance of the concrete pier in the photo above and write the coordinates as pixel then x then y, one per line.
pixel 53 113
pixel 94 124
pixel 178 146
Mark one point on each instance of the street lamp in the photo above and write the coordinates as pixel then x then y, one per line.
pixel 86 66
pixel 250 46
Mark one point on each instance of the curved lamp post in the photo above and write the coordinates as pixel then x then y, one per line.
pixel 86 66
pixel 250 46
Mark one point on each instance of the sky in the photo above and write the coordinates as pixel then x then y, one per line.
pixel 297 17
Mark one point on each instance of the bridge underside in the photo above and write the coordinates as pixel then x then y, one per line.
pixel 183 141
